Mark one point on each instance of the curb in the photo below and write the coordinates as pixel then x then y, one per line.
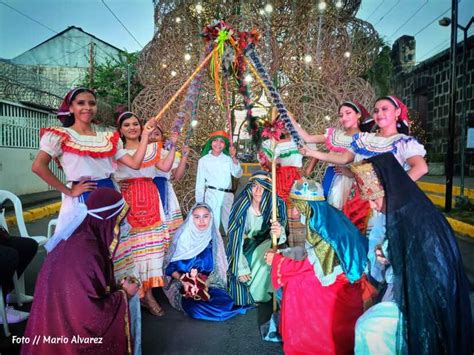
pixel 461 227
pixel 441 189
pixel 36 213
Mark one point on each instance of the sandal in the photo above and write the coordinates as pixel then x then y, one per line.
pixel 153 307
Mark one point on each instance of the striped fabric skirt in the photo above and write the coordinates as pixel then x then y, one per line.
pixel 146 243
pixel 174 217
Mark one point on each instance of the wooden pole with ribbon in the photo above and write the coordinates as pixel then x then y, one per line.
pixel 184 86
pixel 274 192
pixel 275 152
pixel 228 111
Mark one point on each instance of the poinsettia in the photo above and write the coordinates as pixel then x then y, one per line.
pixel 273 130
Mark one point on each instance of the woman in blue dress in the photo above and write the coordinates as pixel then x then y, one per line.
pixel 196 268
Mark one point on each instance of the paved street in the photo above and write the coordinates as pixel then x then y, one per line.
pixel 173 333
pixel 176 333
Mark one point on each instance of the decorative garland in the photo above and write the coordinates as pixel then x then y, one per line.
pixel 193 118
pixel 188 104
pixel 276 98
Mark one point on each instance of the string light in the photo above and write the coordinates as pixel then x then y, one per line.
pixel 173 73
pixel 261 12
pixel 248 78
pixel 268 8
pixel 327 118
pixel 338 4
pixel 320 68
pixel 187 57
pixel 322 5
pixel 199 8
pixel 347 54
pixel 194 123
pixel 163 65
pixel 178 19
pixel 308 58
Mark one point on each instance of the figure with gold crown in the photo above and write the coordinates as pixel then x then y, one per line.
pixel 424 305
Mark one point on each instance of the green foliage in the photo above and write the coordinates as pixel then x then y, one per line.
pixel 110 84
pixel 380 75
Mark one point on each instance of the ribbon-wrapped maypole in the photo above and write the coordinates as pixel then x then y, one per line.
pixel 275 95
pixel 231 62
pixel 182 88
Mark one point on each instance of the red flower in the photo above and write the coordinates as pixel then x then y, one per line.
pixel 273 130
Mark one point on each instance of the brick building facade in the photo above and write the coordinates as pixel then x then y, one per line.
pixel 425 88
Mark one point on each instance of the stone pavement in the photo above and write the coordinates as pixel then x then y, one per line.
pixel 177 334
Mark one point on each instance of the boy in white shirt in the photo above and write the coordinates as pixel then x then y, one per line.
pixel 216 167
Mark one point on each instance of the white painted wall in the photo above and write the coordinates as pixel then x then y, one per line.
pixel 15 171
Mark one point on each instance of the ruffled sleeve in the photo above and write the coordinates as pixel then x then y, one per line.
pixel 266 149
pixel 328 132
pixel 358 142
pixel 120 150
pixel 50 143
pixel 177 159
pixel 410 147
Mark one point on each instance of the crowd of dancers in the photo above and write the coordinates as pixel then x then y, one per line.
pixel 379 273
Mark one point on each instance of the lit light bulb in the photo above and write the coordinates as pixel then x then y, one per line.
pixel 173 73
pixel 248 78
pixel 285 93
pixel 199 8
pixel 268 8
pixel 327 118
pixel 322 5
pixel 261 12
pixel 320 68
pixel 308 58
pixel 163 65
pixel 178 19
pixel 194 123
pixel 347 54
pixel 338 4
pixel 187 57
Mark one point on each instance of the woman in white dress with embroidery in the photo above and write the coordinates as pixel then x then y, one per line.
pixel 337 180
pixel 148 238
pixel 391 117
pixel 87 157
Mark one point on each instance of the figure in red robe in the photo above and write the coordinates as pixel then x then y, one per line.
pixel 325 293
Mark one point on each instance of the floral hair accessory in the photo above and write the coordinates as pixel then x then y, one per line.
pixel 403 109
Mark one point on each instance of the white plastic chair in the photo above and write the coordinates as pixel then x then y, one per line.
pixel 51 226
pixel 19 283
